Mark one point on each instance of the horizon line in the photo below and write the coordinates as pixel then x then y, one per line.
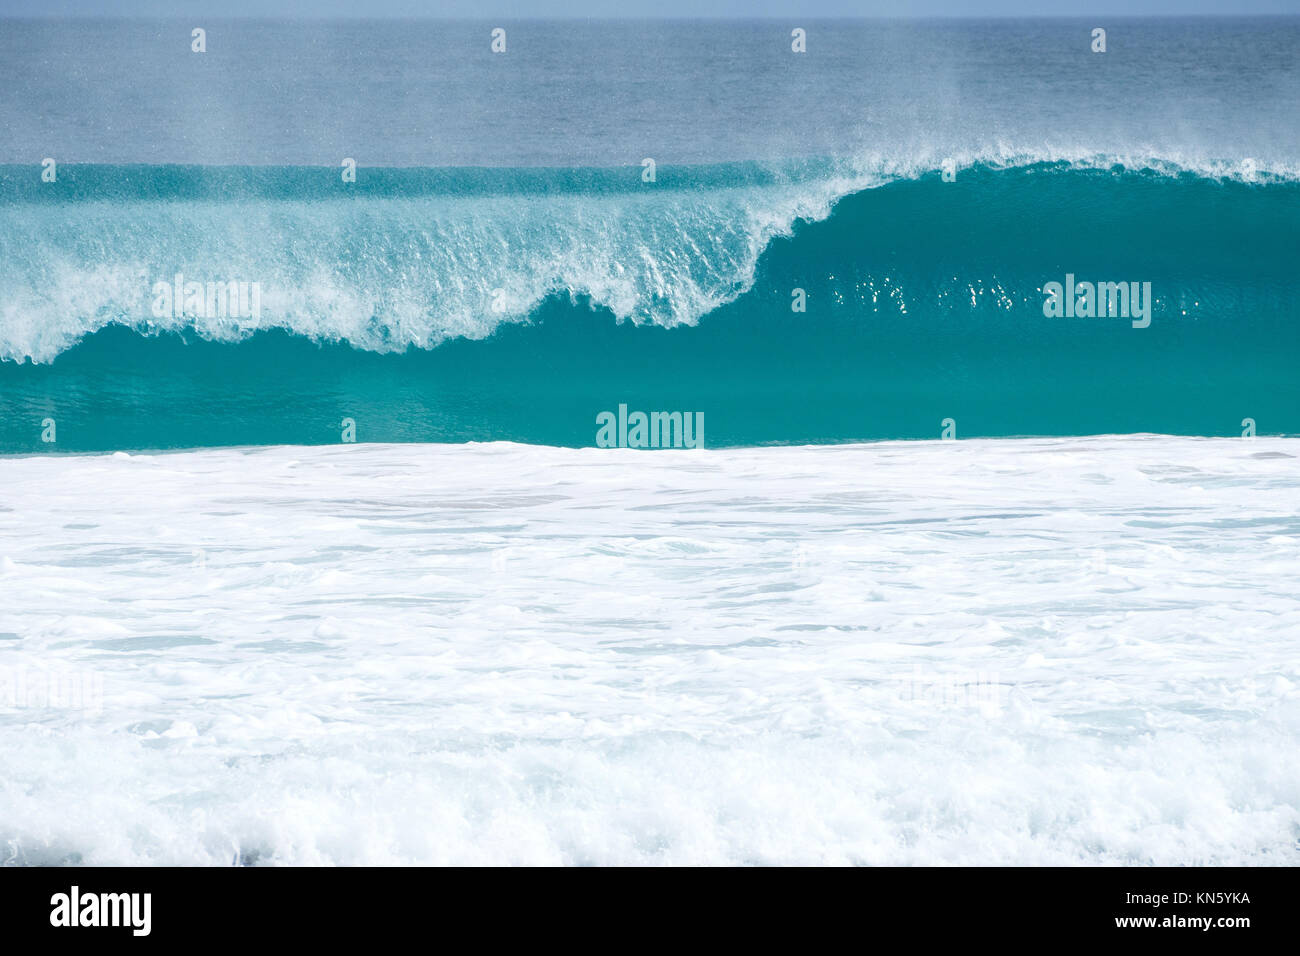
pixel 370 17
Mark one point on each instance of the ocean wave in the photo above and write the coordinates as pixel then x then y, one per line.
pixel 409 258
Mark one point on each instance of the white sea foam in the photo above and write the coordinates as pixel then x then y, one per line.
pixel 388 274
pixel 1019 651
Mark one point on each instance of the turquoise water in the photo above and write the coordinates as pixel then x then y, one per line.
pixel 923 302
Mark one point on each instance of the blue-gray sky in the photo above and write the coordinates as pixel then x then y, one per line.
pixel 507 9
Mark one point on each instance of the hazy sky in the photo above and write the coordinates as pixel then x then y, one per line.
pixel 506 9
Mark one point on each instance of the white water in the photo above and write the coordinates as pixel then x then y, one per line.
pixel 1010 652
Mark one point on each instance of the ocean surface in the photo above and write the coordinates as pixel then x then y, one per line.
pixel 229 635
pixel 501 270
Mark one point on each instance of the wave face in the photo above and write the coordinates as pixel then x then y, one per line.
pixel 476 304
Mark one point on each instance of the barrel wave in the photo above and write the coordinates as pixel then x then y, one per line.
pixel 811 301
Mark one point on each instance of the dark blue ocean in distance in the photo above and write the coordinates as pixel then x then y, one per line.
pixel 501 269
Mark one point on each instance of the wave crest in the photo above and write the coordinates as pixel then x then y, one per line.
pixel 421 256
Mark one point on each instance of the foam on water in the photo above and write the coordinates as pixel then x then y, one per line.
pixel 393 271
pixel 1019 651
